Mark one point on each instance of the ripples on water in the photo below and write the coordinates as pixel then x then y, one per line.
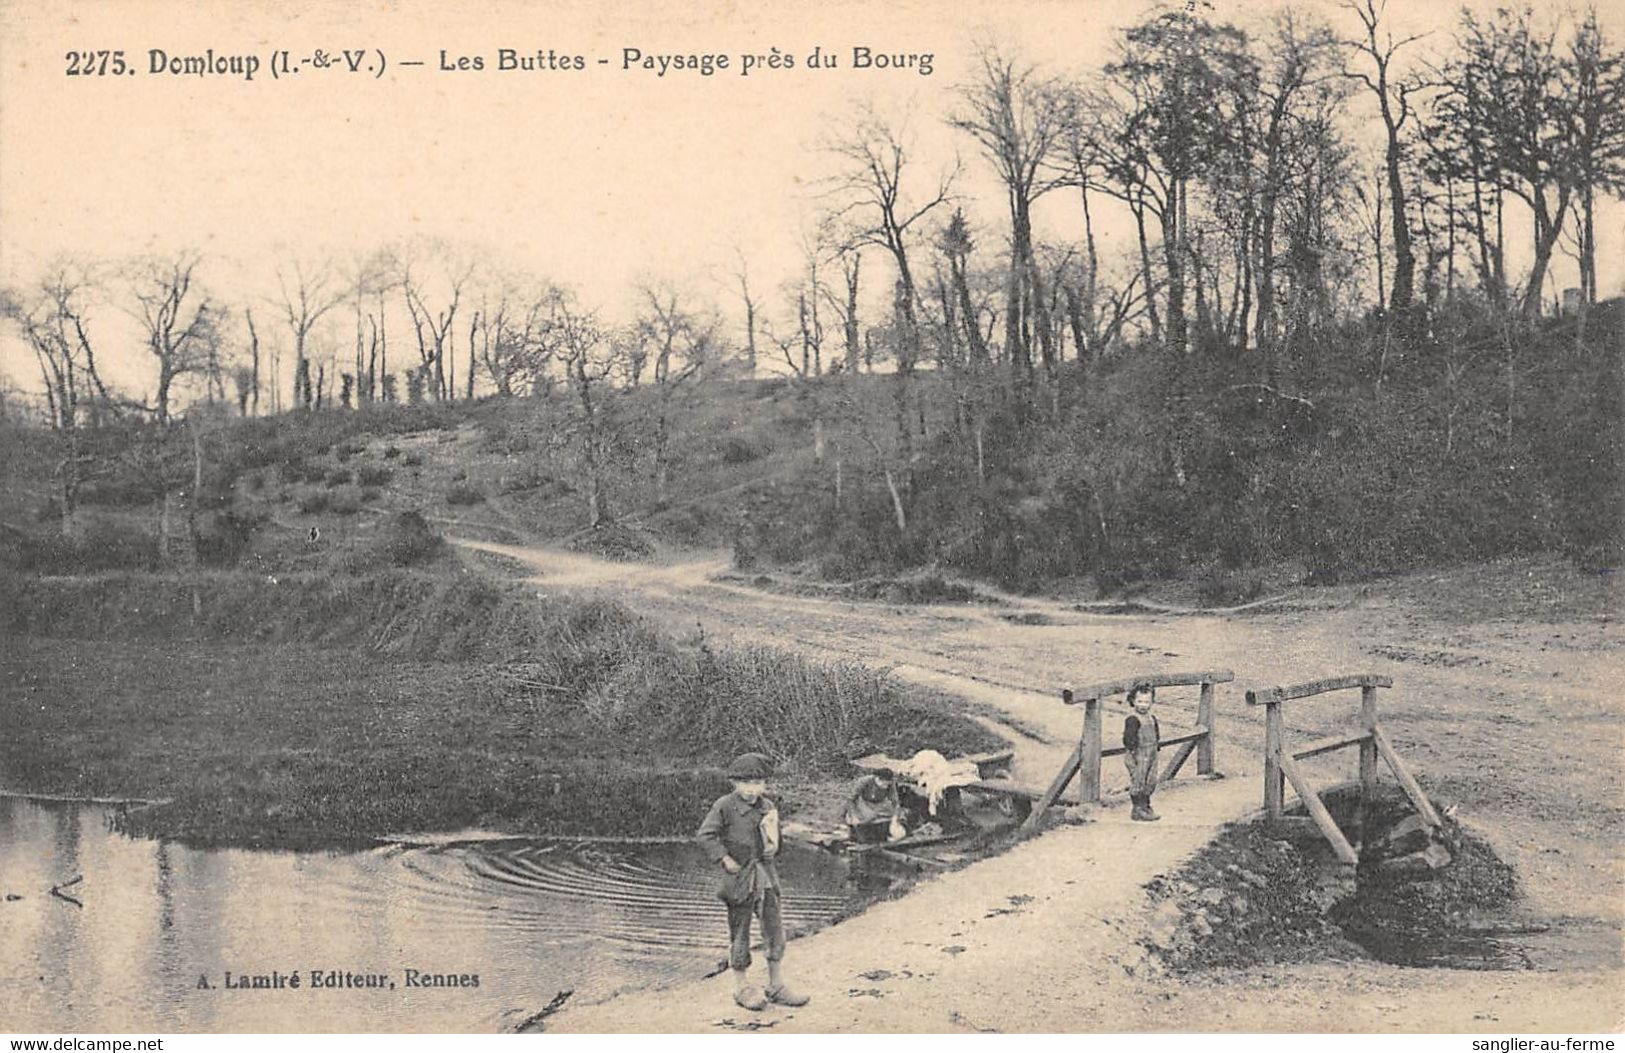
pixel 530 918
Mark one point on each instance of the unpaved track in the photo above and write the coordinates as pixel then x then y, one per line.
pixel 1043 937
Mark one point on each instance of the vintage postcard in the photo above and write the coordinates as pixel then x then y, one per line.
pixel 1015 516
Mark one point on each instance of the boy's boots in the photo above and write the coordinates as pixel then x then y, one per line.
pixel 745 995
pixel 1142 808
pixel 778 993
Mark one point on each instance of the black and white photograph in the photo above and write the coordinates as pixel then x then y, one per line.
pixel 1013 517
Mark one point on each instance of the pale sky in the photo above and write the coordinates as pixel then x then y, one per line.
pixel 592 179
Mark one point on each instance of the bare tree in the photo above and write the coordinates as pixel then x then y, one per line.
pixel 308 291
pixel 870 199
pixel 681 342
pixel 433 305
pixel 174 316
pixel 1393 92
pixel 51 319
pixel 1020 118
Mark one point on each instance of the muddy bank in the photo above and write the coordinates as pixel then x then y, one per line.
pixel 1261 895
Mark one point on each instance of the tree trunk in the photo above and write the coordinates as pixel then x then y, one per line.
pixel 896 503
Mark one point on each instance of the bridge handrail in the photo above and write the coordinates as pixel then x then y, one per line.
pixel 1273 695
pixel 1073 695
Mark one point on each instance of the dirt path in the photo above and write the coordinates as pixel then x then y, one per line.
pixel 1517 722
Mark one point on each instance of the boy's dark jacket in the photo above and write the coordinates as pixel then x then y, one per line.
pixel 734 828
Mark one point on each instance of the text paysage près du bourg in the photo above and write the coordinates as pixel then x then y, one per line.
pixel 372 62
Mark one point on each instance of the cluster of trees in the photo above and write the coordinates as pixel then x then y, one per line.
pixel 1273 256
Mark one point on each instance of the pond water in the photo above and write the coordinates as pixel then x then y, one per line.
pixel 154 928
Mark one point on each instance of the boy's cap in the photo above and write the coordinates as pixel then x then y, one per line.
pixel 750 766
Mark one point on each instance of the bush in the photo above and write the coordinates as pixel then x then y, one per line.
pixel 224 538
pixel 412 460
pixel 370 494
pixel 345 450
pixel 297 471
pixel 255 482
pixel 99 546
pixel 409 541
pixel 391 452
pixel 345 502
pixel 736 450
pixel 1229 588
pixel 464 494
pixel 312 502
pixel 340 477
pixel 373 475
pixel 121 492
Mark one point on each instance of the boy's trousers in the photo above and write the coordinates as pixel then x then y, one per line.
pixel 739 915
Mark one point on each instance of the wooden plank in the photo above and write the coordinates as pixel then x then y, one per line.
pixel 1265 696
pixel 1273 790
pixel 1057 784
pixel 1172 740
pixel 1204 720
pixel 1007 788
pixel 1413 789
pixel 1315 747
pixel 1089 753
pixel 1317 811
pixel 1072 696
pixel 1178 760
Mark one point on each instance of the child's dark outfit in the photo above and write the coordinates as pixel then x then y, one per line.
pixel 872 809
pixel 1141 739
pixel 733 828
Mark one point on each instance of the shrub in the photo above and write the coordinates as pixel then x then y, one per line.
pixel 391 452
pixel 99 546
pixel 340 477
pixel 345 450
pixel 224 537
pixel 464 494
pixel 736 450
pixel 313 501
pixel 297 471
pixel 255 482
pixel 345 502
pixel 412 460
pixel 409 541
pixel 373 475
pixel 369 494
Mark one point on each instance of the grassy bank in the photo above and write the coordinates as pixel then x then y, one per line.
pixel 314 711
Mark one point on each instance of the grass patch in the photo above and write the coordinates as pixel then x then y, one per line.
pixel 322 710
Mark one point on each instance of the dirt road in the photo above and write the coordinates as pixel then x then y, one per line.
pixel 1514 719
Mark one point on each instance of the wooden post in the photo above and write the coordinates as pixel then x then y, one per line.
pixel 1204 720
pixel 1274 790
pixel 1089 753
pixel 1406 779
pixel 1317 811
pixel 1368 757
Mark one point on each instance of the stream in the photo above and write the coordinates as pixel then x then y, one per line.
pixel 156 936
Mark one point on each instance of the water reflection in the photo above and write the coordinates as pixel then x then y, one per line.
pixel 161 925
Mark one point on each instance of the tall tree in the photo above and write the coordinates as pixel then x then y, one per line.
pixel 1377 49
pixel 175 317
pixel 309 291
pixel 1020 119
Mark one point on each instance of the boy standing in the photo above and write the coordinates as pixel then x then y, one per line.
pixel 1141 739
pixel 741 834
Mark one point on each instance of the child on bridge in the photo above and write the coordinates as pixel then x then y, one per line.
pixel 1141 739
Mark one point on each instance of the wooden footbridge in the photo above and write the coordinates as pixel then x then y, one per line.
pixel 1281 761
